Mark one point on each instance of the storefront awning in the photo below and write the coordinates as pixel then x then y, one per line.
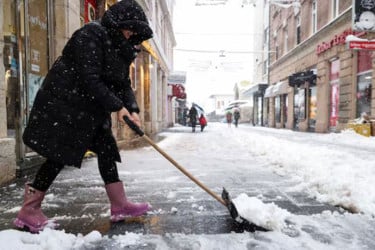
pixel 280 88
pixel 269 92
pixel 301 78
pixel 255 90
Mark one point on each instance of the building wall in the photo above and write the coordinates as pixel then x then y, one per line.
pixel 67 20
pixel 3 116
pixel 323 96
pixel 259 42
pixel 7 144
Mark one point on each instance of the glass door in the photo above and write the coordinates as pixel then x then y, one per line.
pixel 33 36
pixel 37 48
pixel 299 106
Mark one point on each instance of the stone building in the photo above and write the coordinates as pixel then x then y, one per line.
pixel 316 83
pixel 32 35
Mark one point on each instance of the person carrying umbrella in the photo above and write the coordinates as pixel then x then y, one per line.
pixel 193 113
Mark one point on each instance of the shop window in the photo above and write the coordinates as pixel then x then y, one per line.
pixel 10 62
pixel 299 106
pixel 364 79
pixel 265 112
pixel 285 108
pixel 334 112
pixel 259 113
pixel 278 109
pixel 335 91
pixel 312 107
pixel 364 94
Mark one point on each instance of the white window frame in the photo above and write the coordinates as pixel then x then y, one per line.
pixel 286 39
pixel 314 17
pixel 298 25
pixel 335 8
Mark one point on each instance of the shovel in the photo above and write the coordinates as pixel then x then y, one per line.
pixel 225 199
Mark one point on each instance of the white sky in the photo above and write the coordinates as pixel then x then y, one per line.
pixel 333 168
pixel 213 28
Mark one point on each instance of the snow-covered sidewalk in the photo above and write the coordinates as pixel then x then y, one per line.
pixel 333 168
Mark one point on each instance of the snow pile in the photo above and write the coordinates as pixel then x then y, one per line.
pixel 47 239
pixel 268 216
pixel 340 176
pixel 127 239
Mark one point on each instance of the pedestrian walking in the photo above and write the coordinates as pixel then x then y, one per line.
pixel 72 109
pixel 228 116
pixel 236 115
pixel 193 117
pixel 202 122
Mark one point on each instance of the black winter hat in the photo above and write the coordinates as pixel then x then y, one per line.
pixel 128 14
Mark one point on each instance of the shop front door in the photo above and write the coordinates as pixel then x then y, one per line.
pixel 299 107
pixel 32 33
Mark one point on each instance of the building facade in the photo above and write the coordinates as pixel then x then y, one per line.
pixel 33 34
pixel 316 83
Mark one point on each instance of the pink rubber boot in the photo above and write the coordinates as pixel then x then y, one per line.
pixel 31 216
pixel 120 206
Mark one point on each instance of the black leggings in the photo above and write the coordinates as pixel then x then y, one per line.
pixel 49 170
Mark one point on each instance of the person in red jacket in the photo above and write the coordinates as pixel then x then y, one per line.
pixel 202 122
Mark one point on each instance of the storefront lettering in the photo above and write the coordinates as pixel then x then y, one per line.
pixel 336 40
pixel 35 20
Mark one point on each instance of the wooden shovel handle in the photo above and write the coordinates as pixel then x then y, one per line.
pixel 136 129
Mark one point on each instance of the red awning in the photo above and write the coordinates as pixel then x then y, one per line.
pixel 178 91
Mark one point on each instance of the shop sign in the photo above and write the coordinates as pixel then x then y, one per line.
pixel 362 45
pixel 336 40
pixel 178 91
pixel 90 9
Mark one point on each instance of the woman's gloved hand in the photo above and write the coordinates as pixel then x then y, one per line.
pixel 134 117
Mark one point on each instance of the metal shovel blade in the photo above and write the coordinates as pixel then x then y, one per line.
pixel 231 207
pixel 243 223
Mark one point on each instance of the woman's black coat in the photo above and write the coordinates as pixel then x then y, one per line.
pixel 71 112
